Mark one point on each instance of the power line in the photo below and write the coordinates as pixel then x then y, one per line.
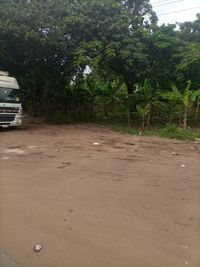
pixel 161 1
pixel 169 3
pixel 178 11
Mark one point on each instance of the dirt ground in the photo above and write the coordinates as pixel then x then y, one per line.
pixel 127 202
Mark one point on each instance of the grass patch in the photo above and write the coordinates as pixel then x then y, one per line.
pixel 171 131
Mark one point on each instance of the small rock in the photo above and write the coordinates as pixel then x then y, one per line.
pixel 174 154
pixel 96 144
pixel 183 166
pixel 57 150
pixel 38 248
pixel 186 262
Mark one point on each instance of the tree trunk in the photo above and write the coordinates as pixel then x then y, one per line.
pixel 149 120
pixel 128 118
pixel 143 122
pixel 33 96
pixel 197 108
pixel 129 85
pixel 149 115
pixel 169 115
pixel 180 120
pixel 185 119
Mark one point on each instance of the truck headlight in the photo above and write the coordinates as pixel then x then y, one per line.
pixel 21 111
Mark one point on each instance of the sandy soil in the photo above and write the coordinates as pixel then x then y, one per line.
pixel 125 203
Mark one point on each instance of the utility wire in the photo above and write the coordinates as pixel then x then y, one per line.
pixel 169 3
pixel 179 11
pixel 158 2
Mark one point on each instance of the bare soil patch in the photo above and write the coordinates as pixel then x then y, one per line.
pixel 127 202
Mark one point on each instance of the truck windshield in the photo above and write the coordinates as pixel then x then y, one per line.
pixel 9 95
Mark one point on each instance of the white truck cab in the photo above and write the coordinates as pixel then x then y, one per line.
pixel 10 104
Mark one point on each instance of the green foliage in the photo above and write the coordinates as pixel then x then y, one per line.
pixel 143 111
pixel 185 100
pixel 132 62
pixel 188 68
pixel 172 131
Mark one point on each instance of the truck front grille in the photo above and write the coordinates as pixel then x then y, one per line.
pixel 7 118
pixel 5 110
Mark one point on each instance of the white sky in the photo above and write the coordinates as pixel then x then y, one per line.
pixel 169 6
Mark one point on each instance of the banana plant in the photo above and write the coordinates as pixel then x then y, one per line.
pixel 149 97
pixel 185 99
pixel 197 104
pixel 113 93
pixel 143 111
pixel 188 99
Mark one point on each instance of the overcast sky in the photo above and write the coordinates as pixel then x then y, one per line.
pixel 168 6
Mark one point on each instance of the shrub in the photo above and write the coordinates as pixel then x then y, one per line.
pixel 172 131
